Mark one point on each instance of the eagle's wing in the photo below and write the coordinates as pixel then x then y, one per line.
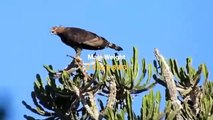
pixel 95 42
pixel 87 38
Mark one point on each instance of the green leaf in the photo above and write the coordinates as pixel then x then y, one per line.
pixel 205 71
pixel 135 62
pixel 143 73
pixel 110 114
pixel 129 106
pixel 149 73
pixel 49 69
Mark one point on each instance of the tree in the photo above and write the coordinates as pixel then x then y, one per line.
pixel 73 93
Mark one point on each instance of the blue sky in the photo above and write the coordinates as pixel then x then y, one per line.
pixel 179 28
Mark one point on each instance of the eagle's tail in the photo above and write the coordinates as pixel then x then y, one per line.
pixel 114 46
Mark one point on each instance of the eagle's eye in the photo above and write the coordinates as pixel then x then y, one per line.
pixel 53 31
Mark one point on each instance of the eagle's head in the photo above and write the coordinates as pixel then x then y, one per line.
pixel 57 30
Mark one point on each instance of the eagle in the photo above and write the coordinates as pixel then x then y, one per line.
pixel 79 39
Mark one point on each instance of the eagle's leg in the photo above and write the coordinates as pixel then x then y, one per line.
pixel 78 52
pixel 76 60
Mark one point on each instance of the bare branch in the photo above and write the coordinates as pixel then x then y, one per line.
pixel 169 79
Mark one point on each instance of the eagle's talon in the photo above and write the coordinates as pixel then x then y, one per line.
pixel 78 59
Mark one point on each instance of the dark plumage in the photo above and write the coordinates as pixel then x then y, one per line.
pixel 79 39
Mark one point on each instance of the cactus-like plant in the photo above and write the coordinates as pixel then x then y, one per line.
pixel 107 93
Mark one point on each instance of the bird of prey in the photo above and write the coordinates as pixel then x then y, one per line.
pixel 79 39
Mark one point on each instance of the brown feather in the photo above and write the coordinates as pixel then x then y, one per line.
pixel 78 38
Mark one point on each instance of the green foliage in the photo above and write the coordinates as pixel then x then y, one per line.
pixel 150 109
pixel 195 99
pixel 170 113
pixel 73 93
